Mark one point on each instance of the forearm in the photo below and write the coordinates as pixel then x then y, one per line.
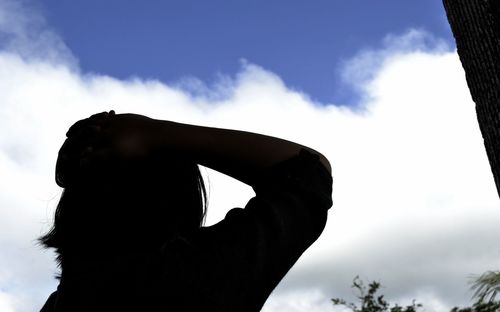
pixel 239 154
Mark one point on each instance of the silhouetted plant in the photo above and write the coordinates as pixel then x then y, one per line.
pixel 371 302
pixel 491 306
pixel 486 286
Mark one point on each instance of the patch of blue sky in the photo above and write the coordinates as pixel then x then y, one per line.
pixel 306 43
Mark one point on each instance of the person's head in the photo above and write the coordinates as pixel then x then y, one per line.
pixel 135 204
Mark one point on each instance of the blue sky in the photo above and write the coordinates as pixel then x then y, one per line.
pixel 304 42
pixel 415 205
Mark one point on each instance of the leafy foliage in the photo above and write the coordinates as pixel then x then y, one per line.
pixel 371 302
pixel 490 306
pixel 486 286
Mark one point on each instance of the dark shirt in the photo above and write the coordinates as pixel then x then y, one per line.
pixel 233 265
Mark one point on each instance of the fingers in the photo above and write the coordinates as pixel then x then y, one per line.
pixel 90 124
pixel 87 147
pixel 85 141
pixel 77 160
pixel 90 132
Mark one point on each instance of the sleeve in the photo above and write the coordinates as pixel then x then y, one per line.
pixel 303 175
pixel 291 203
pixel 240 260
pixel 265 239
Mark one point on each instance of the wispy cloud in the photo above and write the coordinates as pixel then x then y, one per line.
pixel 24 32
pixel 359 70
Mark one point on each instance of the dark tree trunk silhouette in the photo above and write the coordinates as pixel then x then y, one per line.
pixel 476 27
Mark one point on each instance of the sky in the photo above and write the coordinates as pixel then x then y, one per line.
pixel 304 42
pixel 377 87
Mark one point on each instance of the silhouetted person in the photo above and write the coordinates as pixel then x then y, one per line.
pixel 128 228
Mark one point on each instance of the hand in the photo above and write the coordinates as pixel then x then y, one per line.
pixel 103 141
pixel 122 136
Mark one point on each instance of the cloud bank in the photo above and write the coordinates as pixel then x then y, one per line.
pixel 414 201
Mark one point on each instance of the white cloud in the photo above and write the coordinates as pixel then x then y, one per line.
pixel 24 31
pixel 359 70
pixel 313 300
pixel 414 201
pixel 6 302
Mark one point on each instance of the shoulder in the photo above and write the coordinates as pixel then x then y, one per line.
pixel 303 176
pixel 244 256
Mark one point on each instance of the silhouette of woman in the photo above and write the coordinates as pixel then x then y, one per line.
pixel 128 227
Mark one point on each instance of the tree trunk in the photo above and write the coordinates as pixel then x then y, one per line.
pixel 476 27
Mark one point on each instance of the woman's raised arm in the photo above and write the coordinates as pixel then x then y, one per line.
pixel 239 154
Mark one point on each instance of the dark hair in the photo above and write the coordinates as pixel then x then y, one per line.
pixel 138 205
